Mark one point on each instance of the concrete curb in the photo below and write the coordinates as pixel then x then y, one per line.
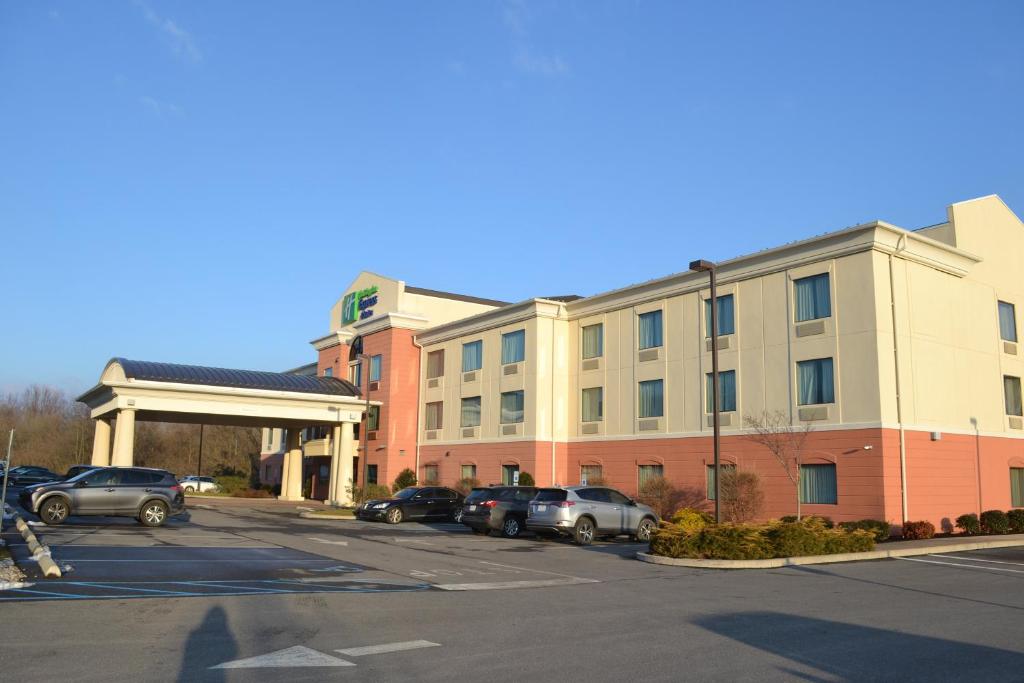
pixel 310 515
pixel 828 559
pixel 40 553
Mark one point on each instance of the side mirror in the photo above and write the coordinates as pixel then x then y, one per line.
pixel 81 484
pixel 631 503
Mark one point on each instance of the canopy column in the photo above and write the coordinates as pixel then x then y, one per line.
pixel 124 439
pixel 342 453
pixel 101 443
pixel 291 488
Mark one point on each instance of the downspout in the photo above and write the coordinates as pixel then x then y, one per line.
pixel 553 482
pixel 900 246
pixel 419 384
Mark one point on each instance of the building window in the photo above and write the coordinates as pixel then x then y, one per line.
pixel 650 330
pixel 818 484
pixel 813 299
pixel 270 438
pixel 593 404
pixel 371 474
pixel 593 341
pixel 472 356
pixel 508 474
pixel 373 418
pixel 355 374
pixel 469 471
pixel 591 474
pixel 648 472
pixel 328 372
pixel 814 379
pixel 726 316
pixel 1011 394
pixel 435 415
pixel 375 363
pixel 726 392
pixel 470 412
pixel 435 364
pixel 651 398
pixel 430 474
pixel 726 469
pixel 511 407
pixel 1017 487
pixel 1007 322
pixel 513 347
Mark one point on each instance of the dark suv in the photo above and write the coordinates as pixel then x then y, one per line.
pixel 148 495
pixel 498 508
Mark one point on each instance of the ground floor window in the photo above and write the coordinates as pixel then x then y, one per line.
pixel 1017 487
pixel 371 474
pixel 818 484
pixel 591 474
pixel 711 476
pixel 430 474
pixel 469 471
pixel 648 472
pixel 508 474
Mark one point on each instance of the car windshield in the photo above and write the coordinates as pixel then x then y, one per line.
pixel 550 495
pixel 75 476
pixel 406 493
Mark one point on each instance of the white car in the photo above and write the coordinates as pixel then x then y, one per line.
pixel 193 483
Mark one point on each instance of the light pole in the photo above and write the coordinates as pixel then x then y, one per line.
pixel 365 455
pixel 707 266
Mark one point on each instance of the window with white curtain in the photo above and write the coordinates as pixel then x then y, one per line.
pixel 726 392
pixel 355 374
pixel 1007 322
pixel 470 412
pixel 591 474
pixel 513 347
pixel 593 341
pixel 726 316
pixel 1011 395
pixel 435 415
pixel 647 472
pixel 650 330
pixel 818 484
pixel 726 469
pixel 430 475
pixel 651 398
pixel 373 418
pixel 593 404
pixel 815 382
pixel 375 364
pixel 469 471
pixel 813 297
pixel 511 407
pixel 472 356
pixel 435 364
pixel 1017 487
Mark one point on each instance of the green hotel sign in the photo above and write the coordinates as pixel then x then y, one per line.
pixel 358 305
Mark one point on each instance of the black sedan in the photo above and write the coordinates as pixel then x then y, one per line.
pixel 415 502
pixel 24 475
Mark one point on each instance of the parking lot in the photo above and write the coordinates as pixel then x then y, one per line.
pixel 245 589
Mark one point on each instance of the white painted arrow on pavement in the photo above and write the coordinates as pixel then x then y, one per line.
pixel 324 540
pixel 289 657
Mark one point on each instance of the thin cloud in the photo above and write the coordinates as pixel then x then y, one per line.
pixel 530 62
pixel 180 41
pixel 161 108
pixel 517 17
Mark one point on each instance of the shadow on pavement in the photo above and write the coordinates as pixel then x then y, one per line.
pixel 850 652
pixel 213 636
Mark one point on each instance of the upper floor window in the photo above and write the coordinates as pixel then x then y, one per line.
pixel 726 315
pixel 650 330
pixel 1007 322
pixel 435 364
pixel 651 398
pixel 373 418
pixel 270 438
pixel 513 347
pixel 815 382
pixel 1011 395
pixel 435 415
pixel 472 356
pixel 593 341
pixel 593 404
pixel 512 407
pixel 375 363
pixel 726 392
pixel 470 412
pixel 813 297
pixel 355 374
pixel 328 372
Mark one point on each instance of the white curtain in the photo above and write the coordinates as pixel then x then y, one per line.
pixel 513 347
pixel 593 408
pixel 815 380
pixel 651 398
pixel 812 298
pixel 472 356
pixel 471 412
pixel 511 407
pixel 1007 322
pixel 593 341
pixel 726 315
pixel 650 330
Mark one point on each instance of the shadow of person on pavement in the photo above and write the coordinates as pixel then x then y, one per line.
pixel 208 644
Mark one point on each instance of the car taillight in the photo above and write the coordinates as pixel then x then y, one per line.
pixel 177 487
pixel 488 503
pixel 563 504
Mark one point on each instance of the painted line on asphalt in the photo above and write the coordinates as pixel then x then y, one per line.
pixel 190 561
pixel 387 647
pixel 506 585
pixel 960 564
pixel 324 540
pixel 122 587
pixel 978 559
pixel 537 571
pixel 221 584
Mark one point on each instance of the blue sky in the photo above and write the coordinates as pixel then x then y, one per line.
pixel 197 182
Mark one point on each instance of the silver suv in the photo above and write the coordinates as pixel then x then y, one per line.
pixel 586 512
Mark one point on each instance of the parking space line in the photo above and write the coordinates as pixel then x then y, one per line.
pixel 525 569
pixel 240 559
pixel 58 595
pixel 978 559
pixel 387 647
pixel 221 584
pixel 504 585
pixel 960 564
pixel 121 587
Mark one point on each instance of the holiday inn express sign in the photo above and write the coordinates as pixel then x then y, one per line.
pixel 358 305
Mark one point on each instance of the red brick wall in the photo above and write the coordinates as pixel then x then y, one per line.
pixel 398 387
pixel 336 358
pixel 531 456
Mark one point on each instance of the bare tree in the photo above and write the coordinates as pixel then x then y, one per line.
pixel 783 439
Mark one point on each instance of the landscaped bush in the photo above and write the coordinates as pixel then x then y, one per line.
pixel 361 494
pixel 969 524
pixel 405 479
pixel 252 493
pixel 841 541
pixel 918 530
pixel 825 521
pixel 466 484
pixel 879 529
pixel 526 479
pixel 798 538
pixel 1016 520
pixel 742 497
pixel 995 522
pixel 229 484
pixel 689 520
pixel 664 498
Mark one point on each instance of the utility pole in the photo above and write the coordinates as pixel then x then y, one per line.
pixel 709 267
pixel 365 455
pixel 199 465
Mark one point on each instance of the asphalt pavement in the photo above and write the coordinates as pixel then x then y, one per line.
pixel 244 591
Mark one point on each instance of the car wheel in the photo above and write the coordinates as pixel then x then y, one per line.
pixel 54 511
pixel 394 515
pixel 511 527
pixel 644 530
pixel 190 489
pixel 584 532
pixel 457 516
pixel 154 513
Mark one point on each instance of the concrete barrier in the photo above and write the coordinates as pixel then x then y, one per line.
pixel 40 553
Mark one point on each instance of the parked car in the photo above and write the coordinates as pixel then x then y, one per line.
pixel 148 495
pixel 25 475
pixel 75 470
pixel 498 508
pixel 415 502
pixel 193 483
pixel 587 512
